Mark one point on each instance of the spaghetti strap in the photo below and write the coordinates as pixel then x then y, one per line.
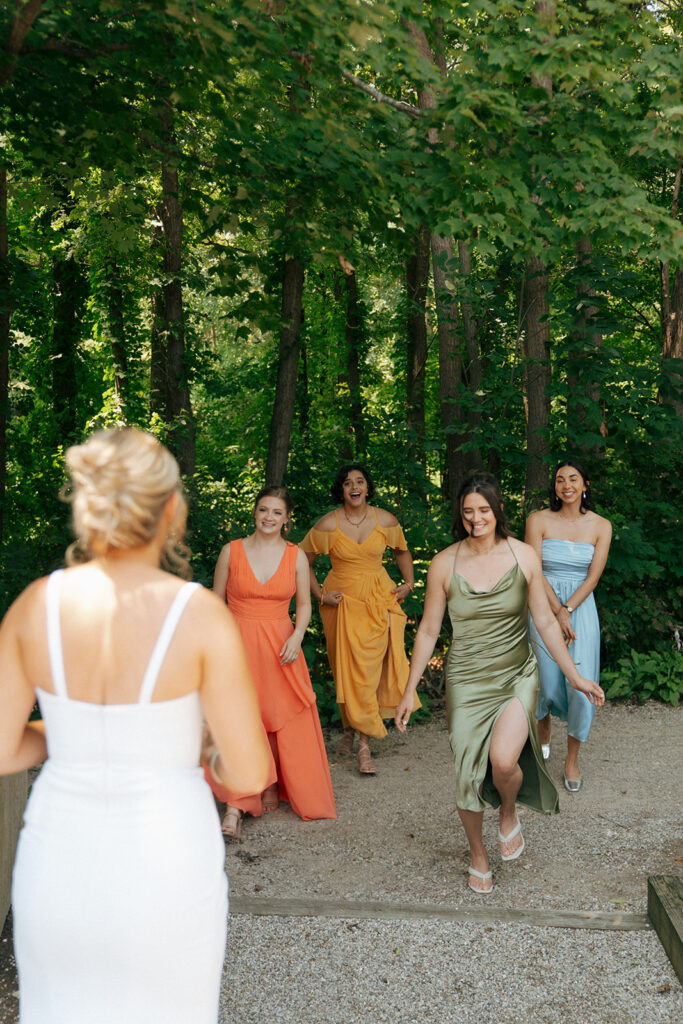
pixel 164 639
pixel 455 555
pixel 54 633
pixel 512 550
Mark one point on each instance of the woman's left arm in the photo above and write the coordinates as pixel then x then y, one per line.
pixel 548 626
pixel 22 743
pixel 404 560
pixel 292 646
pixel 597 565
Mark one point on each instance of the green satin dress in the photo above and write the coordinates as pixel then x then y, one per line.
pixel 489 663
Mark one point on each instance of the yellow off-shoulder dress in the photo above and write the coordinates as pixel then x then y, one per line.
pixel 365 632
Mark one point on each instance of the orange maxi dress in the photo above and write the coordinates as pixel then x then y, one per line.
pixel 286 697
pixel 364 633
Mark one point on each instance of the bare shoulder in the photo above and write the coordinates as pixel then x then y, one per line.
pixel 540 520
pixel 603 526
pixel 525 555
pixel 301 560
pixel 441 565
pixel 328 523
pixel 28 610
pixel 208 617
pixel 385 518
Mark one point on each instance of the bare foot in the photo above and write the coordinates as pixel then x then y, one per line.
pixel 269 800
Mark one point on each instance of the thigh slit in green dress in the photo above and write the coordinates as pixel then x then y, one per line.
pixel 490 662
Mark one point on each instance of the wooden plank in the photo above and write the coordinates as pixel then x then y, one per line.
pixel 367 909
pixel 665 910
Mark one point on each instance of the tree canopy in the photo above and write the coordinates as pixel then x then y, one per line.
pixel 434 236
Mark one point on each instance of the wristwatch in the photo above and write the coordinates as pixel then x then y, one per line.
pixel 568 607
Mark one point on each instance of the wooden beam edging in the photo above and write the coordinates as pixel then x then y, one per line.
pixel 261 906
pixel 665 910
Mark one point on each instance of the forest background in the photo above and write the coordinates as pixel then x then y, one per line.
pixel 432 236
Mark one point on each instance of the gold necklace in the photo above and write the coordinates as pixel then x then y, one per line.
pixel 360 523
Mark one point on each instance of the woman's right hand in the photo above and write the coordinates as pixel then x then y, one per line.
pixel 332 598
pixel 565 623
pixel 593 691
pixel 403 711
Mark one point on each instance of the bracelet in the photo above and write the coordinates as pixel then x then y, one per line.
pixel 322 599
pixel 212 767
pixel 410 586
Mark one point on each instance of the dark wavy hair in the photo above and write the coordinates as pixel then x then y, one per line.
pixel 587 504
pixel 277 492
pixel 485 484
pixel 337 488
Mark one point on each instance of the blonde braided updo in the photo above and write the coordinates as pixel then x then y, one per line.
pixel 120 483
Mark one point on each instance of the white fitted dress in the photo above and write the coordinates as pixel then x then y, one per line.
pixel 119 889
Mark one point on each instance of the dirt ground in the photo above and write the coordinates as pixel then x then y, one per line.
pixel 397 836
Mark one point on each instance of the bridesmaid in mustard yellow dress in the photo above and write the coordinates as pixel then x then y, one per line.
pixel 488 579
pixel 360 609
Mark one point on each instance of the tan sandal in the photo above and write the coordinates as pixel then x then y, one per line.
pixel 366 766
pixel 269 800
pixel 231 826
pixel 346 745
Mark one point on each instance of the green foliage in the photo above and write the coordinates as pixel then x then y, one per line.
pixel 645 675
pixel 264 126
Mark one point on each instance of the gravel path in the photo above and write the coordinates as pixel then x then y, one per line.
pixel 398 840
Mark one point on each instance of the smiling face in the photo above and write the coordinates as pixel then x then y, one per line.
pixel 569 485
pixel 478 517
pixel 270 515
pixel 355 489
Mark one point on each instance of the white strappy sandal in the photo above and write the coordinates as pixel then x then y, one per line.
pixel 484 876
pixel 506 839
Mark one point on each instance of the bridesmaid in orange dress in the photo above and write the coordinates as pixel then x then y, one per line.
pixel 359 605
pixel 258 576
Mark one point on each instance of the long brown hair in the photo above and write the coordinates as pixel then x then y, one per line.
pixel 485 484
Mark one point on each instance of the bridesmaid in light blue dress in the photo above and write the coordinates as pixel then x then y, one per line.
pixel 573 543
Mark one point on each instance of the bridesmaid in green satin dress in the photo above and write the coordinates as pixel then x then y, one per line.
pixel 489 579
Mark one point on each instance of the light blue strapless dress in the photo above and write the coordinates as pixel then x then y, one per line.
pixel 565 566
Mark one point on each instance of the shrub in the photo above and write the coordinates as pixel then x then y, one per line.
pixel 653 674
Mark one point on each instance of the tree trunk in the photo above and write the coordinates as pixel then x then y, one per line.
pixel 178 410
pixel 354 340
pixel 303 396
pixel 473 369
pixel 671 305
pixel 417 280
pixel 69 289
pixel 4 342
pixel 536 337
pixel 536 351
pixel 443 269
pixel 584 416
pixel 157 367
pixel 117 331
pixel 23 20
pixel 450 364
pixel 287 368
